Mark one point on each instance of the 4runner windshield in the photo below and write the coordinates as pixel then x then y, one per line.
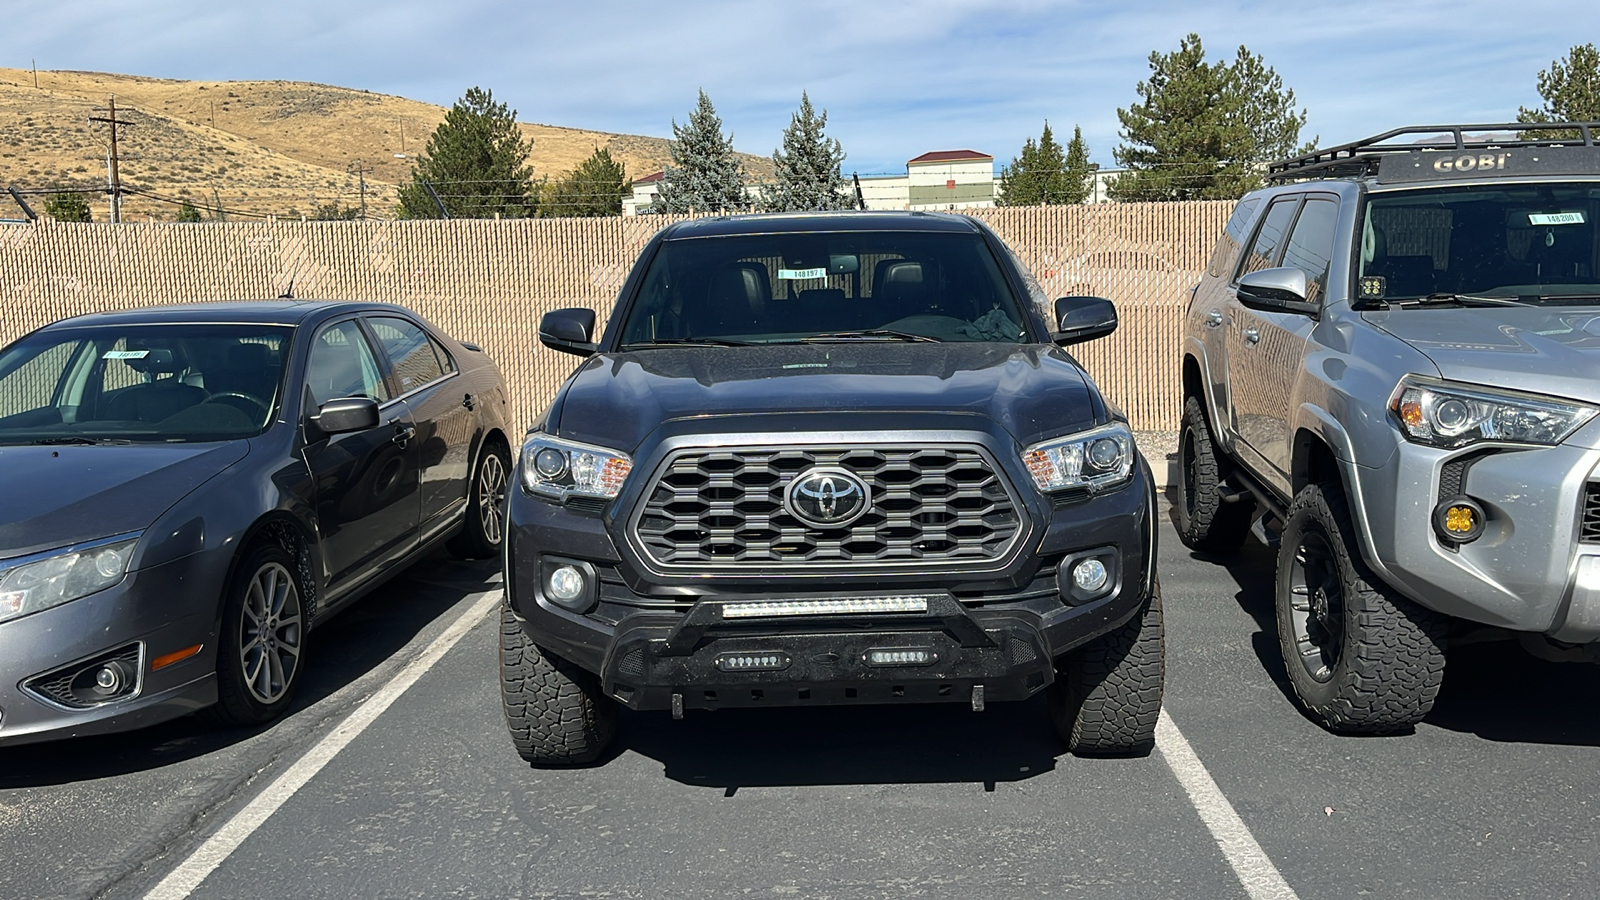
pixel 823 287
pixel 1536 243
pixel 141 383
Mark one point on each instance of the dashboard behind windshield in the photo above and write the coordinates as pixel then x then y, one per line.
pixel 176 382
pixel 1535 242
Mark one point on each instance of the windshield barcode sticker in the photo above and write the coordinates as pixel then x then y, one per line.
pixel 126 354
pixel 1559 218
pixel 802 274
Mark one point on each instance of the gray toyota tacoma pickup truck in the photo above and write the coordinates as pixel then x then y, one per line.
pixel 1391 370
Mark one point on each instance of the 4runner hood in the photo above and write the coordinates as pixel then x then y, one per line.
pixel 1032 391
pixel 1553 351
pixel 55 496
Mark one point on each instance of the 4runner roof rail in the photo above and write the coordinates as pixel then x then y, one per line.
pixel 1361 157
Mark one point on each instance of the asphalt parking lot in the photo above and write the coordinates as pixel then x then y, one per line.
pixel 395 777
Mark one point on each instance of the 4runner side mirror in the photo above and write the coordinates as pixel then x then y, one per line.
pixel 569 331
pixel 1080 319
pixel 345 415
pixel 1282 289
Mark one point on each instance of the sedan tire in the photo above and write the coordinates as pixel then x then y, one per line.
pixel 263 639
pixel 484 531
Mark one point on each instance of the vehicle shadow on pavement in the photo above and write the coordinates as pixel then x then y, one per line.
pixel 848 745
pixel 353 643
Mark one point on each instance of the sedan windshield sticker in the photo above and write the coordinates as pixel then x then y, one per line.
pixel 802 274
pixel 126 354
pixel 1559 218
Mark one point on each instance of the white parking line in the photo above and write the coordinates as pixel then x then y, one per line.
pixel 182 881
pixel 1261 879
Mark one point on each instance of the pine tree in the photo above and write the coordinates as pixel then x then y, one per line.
pixel 68 206
pixel 477 162
pixel 705 175
pixel 1038 175
pixel 1078 176
pixel 1204 130
pixel 594 188
pixel 807 168
pixel 1571 91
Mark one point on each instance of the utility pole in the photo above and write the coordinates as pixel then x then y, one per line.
pixel 35 64
pixel 360 170
pixel 111 157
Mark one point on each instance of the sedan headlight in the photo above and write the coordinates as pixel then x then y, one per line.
pixel 1097 460
pixel 1449 415
pixel 552 467
pixel 36 583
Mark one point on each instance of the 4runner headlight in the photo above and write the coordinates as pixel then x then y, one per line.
pixel 1098 459
pixel 552 467
pixel 37 583
pixel 1449 415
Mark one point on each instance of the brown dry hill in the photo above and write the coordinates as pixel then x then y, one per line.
pixel 263 147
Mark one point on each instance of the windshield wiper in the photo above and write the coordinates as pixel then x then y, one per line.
pixel 687 342
pixel 871 334
pixel 1445 298
pixel 80 439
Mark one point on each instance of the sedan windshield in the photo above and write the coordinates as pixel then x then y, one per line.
pixel 1536 243
pixel 115 384
pixel 823 287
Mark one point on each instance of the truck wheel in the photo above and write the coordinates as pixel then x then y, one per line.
pixel 1204 522
pixel 1107 695
pixel 484 530
pixel 1361 658
pixel 554 709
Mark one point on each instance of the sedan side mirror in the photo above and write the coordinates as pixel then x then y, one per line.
pixel 345 415
pixel 1080 319
pixel 1283 289
pixel 569 331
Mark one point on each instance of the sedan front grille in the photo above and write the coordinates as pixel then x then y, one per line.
pixel 932 507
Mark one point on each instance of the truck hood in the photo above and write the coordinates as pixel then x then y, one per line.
pixel 1547 350
pixel 1032 391
pixel 55 496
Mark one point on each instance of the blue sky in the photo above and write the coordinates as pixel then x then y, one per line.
pixel 897 78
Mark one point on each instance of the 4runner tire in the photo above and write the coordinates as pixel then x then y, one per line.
pixel 484 530
pixel 555 710
pixel 1204 522
pixel 1361 658
pixel 1107 694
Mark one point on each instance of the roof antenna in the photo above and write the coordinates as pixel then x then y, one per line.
pixel 288 292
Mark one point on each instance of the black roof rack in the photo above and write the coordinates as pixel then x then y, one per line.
pixel 1361 157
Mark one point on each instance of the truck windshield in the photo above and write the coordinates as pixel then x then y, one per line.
pixel 1531 242
pixel 122 383
pixel 830 286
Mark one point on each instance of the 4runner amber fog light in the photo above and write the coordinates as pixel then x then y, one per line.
pixel 1458 519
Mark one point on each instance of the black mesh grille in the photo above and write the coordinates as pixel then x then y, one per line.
pixel 1452 478
pixel 1589 531
pixel 930 506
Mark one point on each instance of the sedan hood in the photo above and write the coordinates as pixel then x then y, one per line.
pixel 1553 351
pixel 1032 391
pixel 54 496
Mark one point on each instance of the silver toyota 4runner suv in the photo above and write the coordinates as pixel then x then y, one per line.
pixel 1391 370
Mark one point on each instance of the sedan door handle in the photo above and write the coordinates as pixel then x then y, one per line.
pixel 468 402
pixel 403 435
pixel 1214 318
pixel 1252 334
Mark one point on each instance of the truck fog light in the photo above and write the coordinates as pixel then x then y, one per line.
pixel 901 656
pixel 1458 519
pixel 565 584
pixel 753 662
pixel 1090 575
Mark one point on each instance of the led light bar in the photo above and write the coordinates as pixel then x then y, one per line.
pixel 913 656
pixel 761 609
pixel 753 662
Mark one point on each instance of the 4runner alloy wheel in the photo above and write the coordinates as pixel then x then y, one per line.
pixel 1361 658
pixel 1204 521
pixel 1107 694
pixel 484 529
pixel 263 639
pixel 555 710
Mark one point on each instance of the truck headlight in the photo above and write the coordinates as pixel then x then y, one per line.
pixel 50 579
pixel 1098 460
pixel 552 467
pixel 1449 415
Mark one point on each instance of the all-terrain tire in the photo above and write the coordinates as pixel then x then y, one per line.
pixel 1361 658
pixel 1204 521
pixel 1107 694
pixel 555 710
pixel 483 533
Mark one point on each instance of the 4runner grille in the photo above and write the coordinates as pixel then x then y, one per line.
pixel 945 507
pixel 1589 528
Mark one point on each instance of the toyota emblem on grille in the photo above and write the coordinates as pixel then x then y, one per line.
pixel 827 497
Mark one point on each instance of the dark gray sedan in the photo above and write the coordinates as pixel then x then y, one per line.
pixel 186 491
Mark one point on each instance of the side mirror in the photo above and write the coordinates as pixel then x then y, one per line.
pixel 1080 319
pixel 345 415
pixel 569 331
pixel 1283 289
